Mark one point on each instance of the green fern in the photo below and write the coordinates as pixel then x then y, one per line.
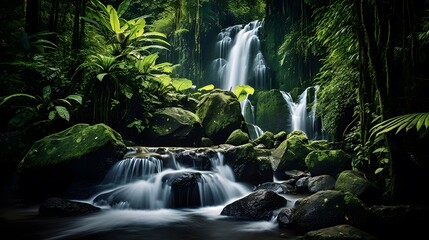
pixel 407 122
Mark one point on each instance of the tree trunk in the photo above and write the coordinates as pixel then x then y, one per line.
pixel 32 16
pixel 78 24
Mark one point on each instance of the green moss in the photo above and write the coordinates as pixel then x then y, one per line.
pixel 70 144
pixel 238 137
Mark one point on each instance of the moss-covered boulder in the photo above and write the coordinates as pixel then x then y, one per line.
pixel 356 183
pixel 220 115
pixel 279 138
pixel 238 137
pixel 330 162
pixel 174 126
pixel 70 162
pixel 267 139
pixel 291 153
pixel 268 106
pixel 320 145
pixel 247 167
pixel 329 208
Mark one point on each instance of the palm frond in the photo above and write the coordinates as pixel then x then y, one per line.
pixel 402 122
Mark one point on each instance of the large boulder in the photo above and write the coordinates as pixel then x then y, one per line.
pixel 238 137
pixel 173 126
pixel 258 205
pixel 329 208
pixel 247 167
pixel 69 163
pixel 330 162
pixel 291 153
pixel 220 115
pixel 355 182
pixel 268 106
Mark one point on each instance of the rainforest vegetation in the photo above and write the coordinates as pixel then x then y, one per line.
pixel 116 62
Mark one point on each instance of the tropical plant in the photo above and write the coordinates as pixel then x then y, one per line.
pixel 242 91
pixel 39 108
pixel 403 122
pixel 125 36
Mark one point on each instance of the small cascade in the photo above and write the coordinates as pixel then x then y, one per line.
pixel 239 59
pixel 249 114
pixel 301 118
pixel 144 182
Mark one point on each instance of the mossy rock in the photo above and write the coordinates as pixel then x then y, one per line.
pixel 220 115
pixel 356 183
pixel 174 126
pixel 291 154
pixel 247 166
pixel 267 139
pixel 81 153
pixel 331 162
pixel 238 137
pixel 268 106
pixel 329 208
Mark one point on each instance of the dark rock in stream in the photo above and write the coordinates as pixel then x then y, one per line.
pixel 63 207
pixel 258 205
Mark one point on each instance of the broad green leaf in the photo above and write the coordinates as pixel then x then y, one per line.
pixel 99 5
pixel 242 91
pixel 62 112
pixel 143 65
pixel 15 96
pixel 122 8
pixel 127 91
pixel 52 115
pixel 101 76
pixel 206 88
pixel 164 79
pixel 63 101
pixel 46 93
pixel 378 170
pixel 181 84
pixel 114 21
pixel 75 97
pixel 381 150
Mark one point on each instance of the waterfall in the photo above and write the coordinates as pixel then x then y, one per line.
pixel 301 118
pixel 249 114
pixel 239 59
pixel 144 182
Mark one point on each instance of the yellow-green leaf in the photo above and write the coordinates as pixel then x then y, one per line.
pixel 206 88
pixel 114 21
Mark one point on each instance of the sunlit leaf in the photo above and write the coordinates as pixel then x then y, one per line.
pixel 206 88
pixel 101 76
pixel 181 84
pixel 378 170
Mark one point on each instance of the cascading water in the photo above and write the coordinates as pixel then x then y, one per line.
pixel 142 182
pixel 239 59
pixel 301 118
pixel 249 114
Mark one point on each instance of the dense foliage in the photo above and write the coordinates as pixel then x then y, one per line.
pixel 112 61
